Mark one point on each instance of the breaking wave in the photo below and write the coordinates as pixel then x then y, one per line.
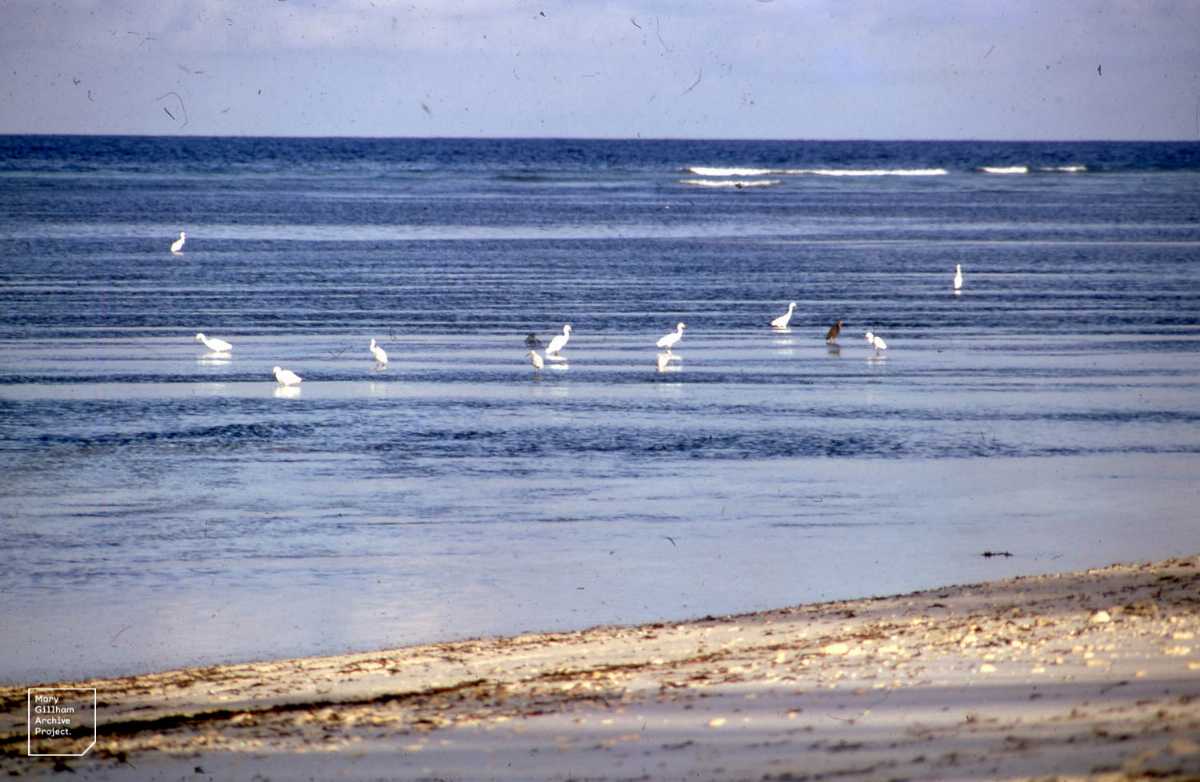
pixel 716 171
pixel 736 183
pixel 747 171
pixel 1073 168
pixel 1003 169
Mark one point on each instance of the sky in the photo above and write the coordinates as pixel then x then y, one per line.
pixel 812 69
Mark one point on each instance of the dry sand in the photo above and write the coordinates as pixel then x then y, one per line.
pixel 1084 675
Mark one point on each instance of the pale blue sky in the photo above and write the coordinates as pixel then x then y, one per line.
pixel 737 69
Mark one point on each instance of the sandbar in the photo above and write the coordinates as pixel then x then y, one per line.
pixel 1084 675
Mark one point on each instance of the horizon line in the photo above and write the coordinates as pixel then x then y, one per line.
pixel 860 140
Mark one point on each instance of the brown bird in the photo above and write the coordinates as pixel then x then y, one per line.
pixel 834 330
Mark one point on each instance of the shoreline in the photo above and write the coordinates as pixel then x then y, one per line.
pixel 1089 674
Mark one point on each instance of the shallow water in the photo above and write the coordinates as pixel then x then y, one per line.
pixel 164 507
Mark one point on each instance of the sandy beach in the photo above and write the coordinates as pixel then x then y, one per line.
pixel 1092 675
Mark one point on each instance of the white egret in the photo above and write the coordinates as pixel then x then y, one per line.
pixel 559 342
pixel 177 245
pixel 667 341
pixel 379 353
pixel 875 341
pixel 782 321
pixel 286 377
pixel 214 344
pixel 536 360
pixel 832 335
pixel 958 278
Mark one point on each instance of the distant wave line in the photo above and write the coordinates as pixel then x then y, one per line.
pixel 738 183
pixel 745 171
pixel 720 171
pixel 1073 168
pixel 734 171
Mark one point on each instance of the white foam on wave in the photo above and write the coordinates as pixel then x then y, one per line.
pixel 740 171
pixel 1072 169
pixel 1004 169
pixel 738 183
pixel 719 171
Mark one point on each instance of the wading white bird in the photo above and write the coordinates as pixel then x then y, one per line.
pixel 668 341
pixel 286 377
pixel 177 245
pixel 875 341
pixel 379 353
pixel 214 344
pixel 536 360
pixel 958 276
pixel 782 321
pixel 559 342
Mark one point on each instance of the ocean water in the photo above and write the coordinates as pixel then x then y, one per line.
pixel 162 507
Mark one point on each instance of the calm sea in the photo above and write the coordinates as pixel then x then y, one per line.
pixel 161 507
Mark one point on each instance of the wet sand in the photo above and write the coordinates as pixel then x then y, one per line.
pixel 1090 675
